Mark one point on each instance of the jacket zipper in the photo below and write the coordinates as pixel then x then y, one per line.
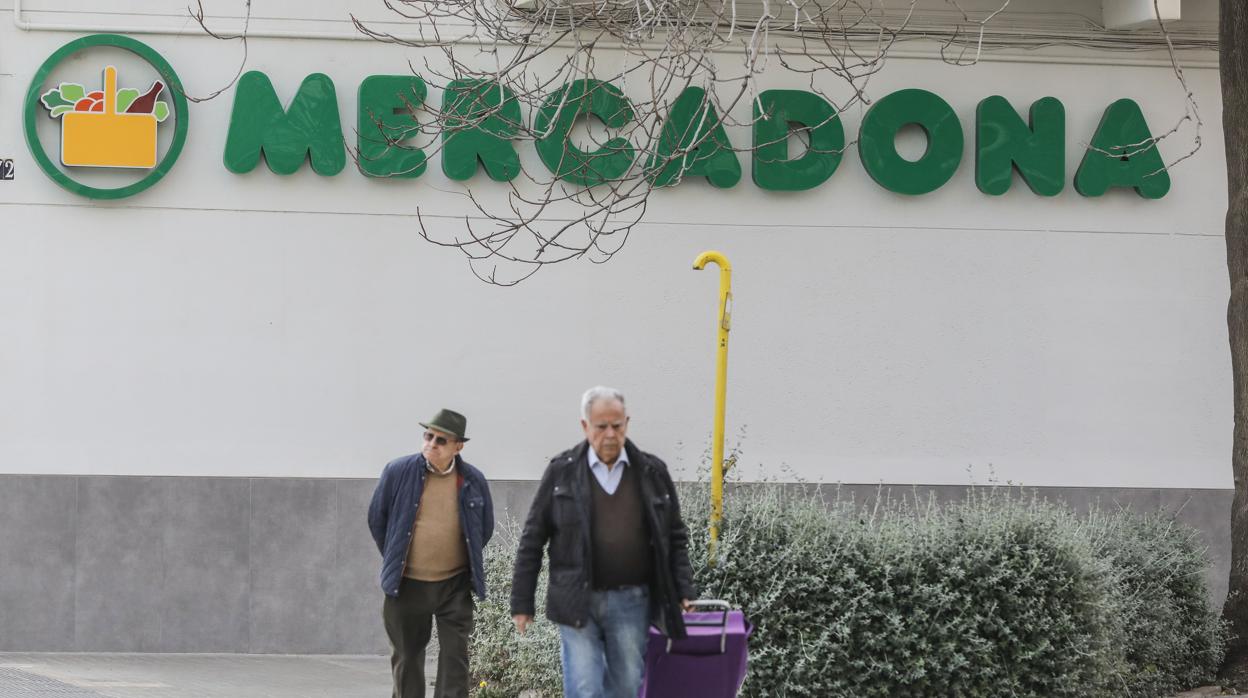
pixel 463 524
pixel 408 547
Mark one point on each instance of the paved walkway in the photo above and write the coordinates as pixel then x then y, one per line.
pixel 35 675
pixel 27 675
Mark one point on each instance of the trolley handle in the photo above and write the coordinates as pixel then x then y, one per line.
pixel 716 604
pixel 711 603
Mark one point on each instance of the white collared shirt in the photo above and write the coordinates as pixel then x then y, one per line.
pixel 609 479
pixel 449 470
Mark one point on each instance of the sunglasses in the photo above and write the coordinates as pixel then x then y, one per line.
pixel 439 440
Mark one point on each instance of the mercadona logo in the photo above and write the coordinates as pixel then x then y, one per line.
pixel 104 125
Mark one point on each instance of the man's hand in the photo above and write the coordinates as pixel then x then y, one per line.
pixel 521 622
pixel 687 605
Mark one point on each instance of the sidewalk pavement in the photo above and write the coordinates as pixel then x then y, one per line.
pixel 64 675
pixel 30 675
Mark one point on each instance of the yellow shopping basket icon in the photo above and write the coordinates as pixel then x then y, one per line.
pixel 108 139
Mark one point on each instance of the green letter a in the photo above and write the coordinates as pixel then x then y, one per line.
pixel 1123 153
pixel 310 126
pixel 693 142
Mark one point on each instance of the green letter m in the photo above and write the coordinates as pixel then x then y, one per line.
pixel 310 126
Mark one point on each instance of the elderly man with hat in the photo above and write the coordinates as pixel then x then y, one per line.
pixel 431 516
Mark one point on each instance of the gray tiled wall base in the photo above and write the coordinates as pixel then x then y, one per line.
pixel 276 565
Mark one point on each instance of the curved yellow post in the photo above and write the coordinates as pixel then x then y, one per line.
pixel 721 389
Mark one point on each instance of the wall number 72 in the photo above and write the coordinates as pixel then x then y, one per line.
pixel 6 169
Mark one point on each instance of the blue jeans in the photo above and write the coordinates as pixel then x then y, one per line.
pixel 606 657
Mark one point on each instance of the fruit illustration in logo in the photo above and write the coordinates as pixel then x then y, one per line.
pixel 109 127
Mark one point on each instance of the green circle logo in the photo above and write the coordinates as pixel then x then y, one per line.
pixel 110 127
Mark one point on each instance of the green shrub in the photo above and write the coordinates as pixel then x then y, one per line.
pixel 503 662
pixel 1174 640
pixel 970 599
pixel 997 595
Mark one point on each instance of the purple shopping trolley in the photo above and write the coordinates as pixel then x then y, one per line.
pixel 710 663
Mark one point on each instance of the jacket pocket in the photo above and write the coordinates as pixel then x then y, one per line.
pixel 662 506
pixel 563 506
pixel 474 518
pixel 567 597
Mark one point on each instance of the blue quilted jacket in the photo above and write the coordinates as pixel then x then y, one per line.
pixel 392 513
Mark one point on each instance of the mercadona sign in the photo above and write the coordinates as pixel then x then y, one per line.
pixel 482 118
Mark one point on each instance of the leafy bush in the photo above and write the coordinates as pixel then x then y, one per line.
pixel 997 595
pixel 1174 640
pixel 503 662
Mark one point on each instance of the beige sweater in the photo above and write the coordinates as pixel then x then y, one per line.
pixel 438 550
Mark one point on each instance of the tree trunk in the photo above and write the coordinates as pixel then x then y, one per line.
pixel 1233 47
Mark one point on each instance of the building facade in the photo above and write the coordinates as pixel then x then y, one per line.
pixel 199 382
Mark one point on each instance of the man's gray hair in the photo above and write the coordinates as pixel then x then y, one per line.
pixel 596 393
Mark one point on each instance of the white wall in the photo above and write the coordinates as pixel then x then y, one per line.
pixel 256 325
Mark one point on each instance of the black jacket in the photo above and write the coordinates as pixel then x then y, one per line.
pixel 561 516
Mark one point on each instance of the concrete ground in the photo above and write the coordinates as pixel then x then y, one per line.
pixel 64 675
pixel 27 675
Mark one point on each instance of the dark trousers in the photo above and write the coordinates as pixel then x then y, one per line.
pixel 408 621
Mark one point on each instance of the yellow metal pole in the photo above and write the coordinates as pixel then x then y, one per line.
pixel 721 389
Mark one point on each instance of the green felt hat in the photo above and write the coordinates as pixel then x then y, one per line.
pixel 449 421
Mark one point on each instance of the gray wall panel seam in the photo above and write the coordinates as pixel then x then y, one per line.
pixel 251 575
pixel 165 512
pixel 76 559
pixel 162 602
